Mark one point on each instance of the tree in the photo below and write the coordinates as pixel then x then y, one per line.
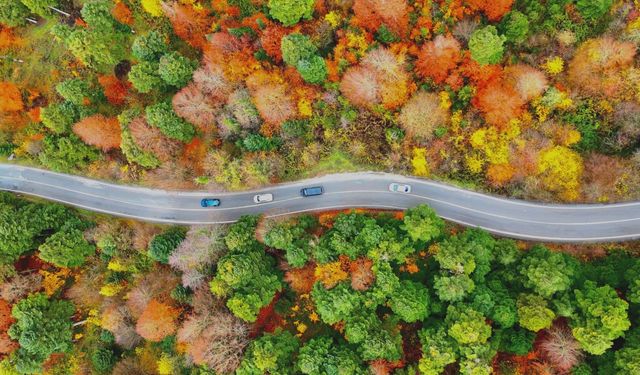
pixel 40 7
pixel 453 288
pixel 438 57
pixel 321 355
pixel 376 14
pixel 467 326
pixel 560 170
pixel 274 104
pixel 289 12
pixel 627 360
pixel 414 120
pixel 493 9
pixel 103 360
pixel 115 90
pixel 162 116
pixel 162 245
pixel 99 131
pixel 410 301
pixel 593 10
pixel 313 70
pixel 438 349
pixel 515 27
pixel 189 23
pixel 64 154
pixel 486 45
pixel 546 272
pixel 149 47
pixel 293 239
pixel 600 319
pixel 145 77
pixel 516 341
pixel 11 97
pixel 175 69
pixel 422 223
pixel 336 304
pixel 158 320
pixel 191 104
pixel 271 353
pixel 561 348
pixel 59 117
pixel 13 13
pixel 42 327
pixel 533 312
pixel 66 248
pixel 75 90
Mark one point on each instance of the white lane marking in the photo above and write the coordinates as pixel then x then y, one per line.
pixel 378 176
pixel 333 193
pixel 495 231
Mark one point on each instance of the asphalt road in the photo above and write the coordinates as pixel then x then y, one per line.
pixel 506 217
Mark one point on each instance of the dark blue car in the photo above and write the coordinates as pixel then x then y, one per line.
pixel 312 191
pixel 210 202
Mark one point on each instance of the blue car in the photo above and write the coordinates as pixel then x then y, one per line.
pixel 312 191
pixel 210 202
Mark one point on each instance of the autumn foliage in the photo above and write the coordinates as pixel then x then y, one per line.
pixel 10 98
pixel 100 131
pixel 115 90
pixel 189 24
pixel 371 14
pixel 438 57
pixel 493 9
pixel 158 320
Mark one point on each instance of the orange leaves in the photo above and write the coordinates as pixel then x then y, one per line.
pixel 274 103
pixel 192 105
pixel 499 102
pixel 10 98
pixel 270 40
pixel 157 321
pixel 189 24
pixel 438 57
pixel 5 315
pixel 100 131
pixel 360 86
pixel 122 13
pixel 115 90
pixel 598 64
pixel 500 174
pixel 493 9
pixel 371 14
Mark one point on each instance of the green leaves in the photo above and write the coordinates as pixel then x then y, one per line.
pixel 422 223
pixel 65 154
pixel 42 327
pixel 67 248
pixel 13 13
pixel 145 78
pixel 149 47
pixel 300 52
pixel 289 12
pixel 175 69
pixel 534 313
pixel 486 45
pixel 466 325
pixel 162 116
pixel 321 356
pixel 410 301
pixel 546 272
pixel 162 245
pixel 272 353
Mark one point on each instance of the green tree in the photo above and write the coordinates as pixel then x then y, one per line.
pixel 272 353
pixel 163 244
pixel 466 325
pixel 66 248
pixel 533 312
pixel 74 90
pixel 627 361
pixel 42 327
pixel 422 223
pixel 145 77
pixel 506 251
pixel 59 117
pixel 241 235
pixel 258 142
pixel 516 341
pixel 593 10
pixel 546 272
pixel 410 301
pixel 322 356
pixel 335 304
pixel 175 69
pixel 103 360
pixel 438 349
pixel 13 13
pixel 149 47
pixel 40 7
pixel 64 154
pixel 601 317
pixel 486 45
pixel 162 116
pixel 289 12
pixel 293 239
pixel 453 288
pixel 352 235
pixel 515 27
pixel 313 70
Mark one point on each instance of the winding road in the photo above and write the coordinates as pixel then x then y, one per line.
pixel 506 217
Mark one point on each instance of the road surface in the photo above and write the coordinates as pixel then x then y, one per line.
pixel 506 217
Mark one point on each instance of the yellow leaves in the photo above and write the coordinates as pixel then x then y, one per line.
pixel 560 169
pixel 357 42
pixel 333 18
pixel 314 317
pixel 494 143
pixel 554 65
pixel 474 163
pixel 445 100
pixel 152 7
pixel 94 317
pixel 300 327
pixel 117 266
pixel 330 274
pixel 165 365
pixel 419 162
pixel 53 280
pixel 110 290
pixel 304 107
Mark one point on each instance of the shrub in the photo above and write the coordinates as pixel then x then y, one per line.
pixel 175 69
pixel 162 116
pixel 289 12
pixel 486 45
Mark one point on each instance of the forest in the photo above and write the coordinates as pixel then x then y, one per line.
pixel 350 292
pixel 536 99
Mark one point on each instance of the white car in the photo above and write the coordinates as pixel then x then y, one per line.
pixel 399 188
pixel 263 198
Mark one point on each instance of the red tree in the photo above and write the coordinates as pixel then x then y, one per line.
pixel 192 105
pixel 189 24
pixel 371 14
pixel 438 57
pixel 100 131
pixel 499 102
pixel 115 90
pixel 152 140
pixel 270 39
pixel 10 98
pixel 493 9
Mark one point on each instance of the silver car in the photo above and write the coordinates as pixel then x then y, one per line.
pixel 263 198
pixel 399 188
